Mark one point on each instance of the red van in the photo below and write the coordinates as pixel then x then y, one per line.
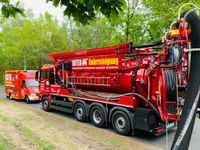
pixel 21 85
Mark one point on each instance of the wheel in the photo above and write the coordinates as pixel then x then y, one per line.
pixel 27 100
pixel 121 122
pixel 9 96
pixel 80 112
pixel 97 116
pixel 45 104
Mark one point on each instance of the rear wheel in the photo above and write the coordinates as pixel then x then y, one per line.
pixel 97 116
pixel 80 112
pixel 45 104
pixel 121 122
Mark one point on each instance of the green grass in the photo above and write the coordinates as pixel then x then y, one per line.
pixel 43 144
pixel 3 117
pixel 5 144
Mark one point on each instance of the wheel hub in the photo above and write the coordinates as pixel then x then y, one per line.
pixel 97 116
pixel 120 123
pixel 79 112
pixel 45 104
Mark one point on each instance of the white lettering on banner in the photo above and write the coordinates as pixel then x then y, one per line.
pixel 10 85
pixel 8 77
pixel 79 62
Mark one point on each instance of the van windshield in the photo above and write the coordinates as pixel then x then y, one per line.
pixel 32 83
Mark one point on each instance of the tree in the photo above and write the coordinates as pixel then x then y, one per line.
pixel 131 8
pixel 161 14
pixel 28 41
pixel 98 33
pixel 8 9
pixel 125 19
pixel 84 11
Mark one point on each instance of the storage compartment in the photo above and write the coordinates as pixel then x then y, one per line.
pixel 145 119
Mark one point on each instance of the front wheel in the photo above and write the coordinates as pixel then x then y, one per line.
pixel 9 96
pixel 27 100
pixel 121 122
pixel 45 104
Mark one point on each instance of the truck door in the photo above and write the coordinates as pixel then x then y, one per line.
pixel 23 89
pixel 44 80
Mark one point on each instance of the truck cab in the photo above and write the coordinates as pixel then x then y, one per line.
pixel 45 77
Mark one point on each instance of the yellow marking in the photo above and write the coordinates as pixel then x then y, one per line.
pixel 71 99
pixel 174 32
pixel 103 61
pixel 8 82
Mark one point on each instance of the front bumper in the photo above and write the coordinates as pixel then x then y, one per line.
pixel 33 98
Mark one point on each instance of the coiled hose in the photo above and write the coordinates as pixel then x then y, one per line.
pixel 170 79
pixel 183 134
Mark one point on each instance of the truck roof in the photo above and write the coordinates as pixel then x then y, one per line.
pixel 27 74
pixel 20 70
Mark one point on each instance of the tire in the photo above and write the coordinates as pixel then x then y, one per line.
pixel 80 112
pixel 97 116
pixel 45 104
pixel 27 100
pixel 9 96
pixel 121 123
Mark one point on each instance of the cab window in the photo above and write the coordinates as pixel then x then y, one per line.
pixel 23 84
pixel 44 74
pixel 51 77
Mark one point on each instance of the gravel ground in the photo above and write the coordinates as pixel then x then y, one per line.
pixel 23 128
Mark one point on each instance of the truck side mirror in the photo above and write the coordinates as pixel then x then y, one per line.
pixel 68 65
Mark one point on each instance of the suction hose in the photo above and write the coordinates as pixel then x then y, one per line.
pixel 183 134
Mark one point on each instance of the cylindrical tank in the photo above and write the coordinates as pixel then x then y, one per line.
pixel 117 82
pixel 118 76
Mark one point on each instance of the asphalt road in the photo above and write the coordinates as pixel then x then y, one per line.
pixel 158 141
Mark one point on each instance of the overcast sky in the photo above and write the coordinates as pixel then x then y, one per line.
pixel 40 6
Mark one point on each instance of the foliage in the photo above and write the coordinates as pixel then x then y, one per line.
pixel 25 43
pixel 98 34
pixel 162 13
pixel 8 9
pixel 84 11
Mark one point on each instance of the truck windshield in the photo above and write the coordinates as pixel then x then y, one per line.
pixel 32 83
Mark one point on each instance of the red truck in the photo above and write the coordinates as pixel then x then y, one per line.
pixel 21 85
pixel 125 86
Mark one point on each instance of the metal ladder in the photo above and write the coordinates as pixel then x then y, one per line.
pixel 96 81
